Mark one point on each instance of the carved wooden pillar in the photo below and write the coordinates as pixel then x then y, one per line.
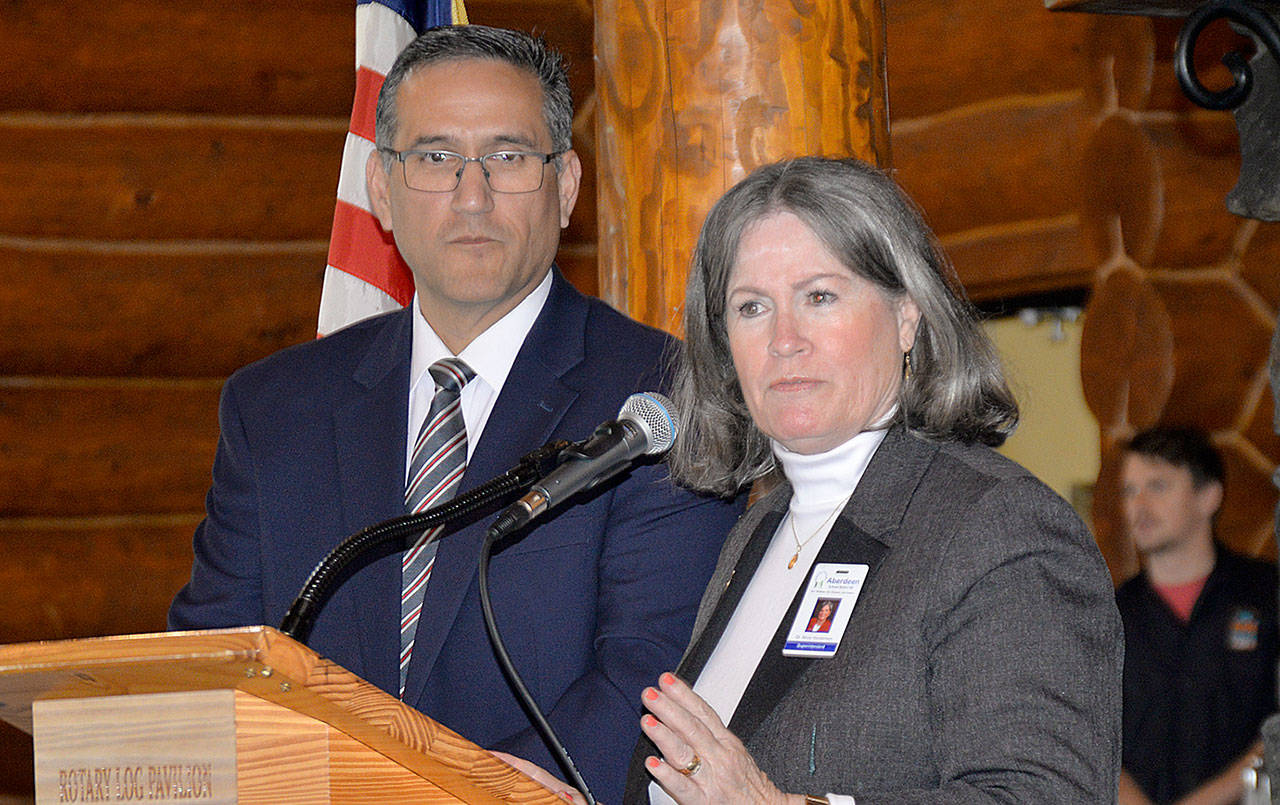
pixel 694 94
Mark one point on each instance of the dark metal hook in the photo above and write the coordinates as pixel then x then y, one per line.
pixel 1259 24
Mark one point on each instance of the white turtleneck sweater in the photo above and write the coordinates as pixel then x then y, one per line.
pixel 821 486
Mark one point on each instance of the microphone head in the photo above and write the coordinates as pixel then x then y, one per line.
pixel 654 414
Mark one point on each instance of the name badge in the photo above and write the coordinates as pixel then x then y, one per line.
pixel 824 610
pixel 1242 633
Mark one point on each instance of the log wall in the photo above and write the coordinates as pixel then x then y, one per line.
pixel 1184 295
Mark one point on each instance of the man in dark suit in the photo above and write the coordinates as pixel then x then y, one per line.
pixel 316 440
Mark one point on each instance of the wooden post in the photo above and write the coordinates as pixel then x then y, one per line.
pixel 693 95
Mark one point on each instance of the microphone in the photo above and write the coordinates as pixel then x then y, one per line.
pixel 645 426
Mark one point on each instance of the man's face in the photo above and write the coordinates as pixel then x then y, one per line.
pixel 474 253
pixel 1163 508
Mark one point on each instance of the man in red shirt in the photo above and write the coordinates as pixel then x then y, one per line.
pixel 1200 630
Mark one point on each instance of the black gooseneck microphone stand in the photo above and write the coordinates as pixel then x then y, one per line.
pixel 320 585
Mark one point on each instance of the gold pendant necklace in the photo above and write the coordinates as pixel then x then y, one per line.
pixel 795 557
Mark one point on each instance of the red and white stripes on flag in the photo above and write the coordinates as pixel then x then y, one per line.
pixel 365 274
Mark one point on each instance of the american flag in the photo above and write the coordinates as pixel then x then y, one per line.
pixel 365 274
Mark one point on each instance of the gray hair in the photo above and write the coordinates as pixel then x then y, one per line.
pixel 457 42
pixel 955 389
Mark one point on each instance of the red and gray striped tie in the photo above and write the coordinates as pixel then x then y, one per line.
pixel 439 459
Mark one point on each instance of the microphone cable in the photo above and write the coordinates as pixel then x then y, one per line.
pixel 557 747
pixel 650 414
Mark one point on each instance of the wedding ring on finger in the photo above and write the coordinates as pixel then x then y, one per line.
pixel 691 768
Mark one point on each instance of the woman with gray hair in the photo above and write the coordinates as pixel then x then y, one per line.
pixel 973 652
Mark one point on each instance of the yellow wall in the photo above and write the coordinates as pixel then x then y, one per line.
pixel 1057 437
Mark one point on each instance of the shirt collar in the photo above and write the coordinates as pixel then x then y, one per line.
pixel 820 479
pixel 490 354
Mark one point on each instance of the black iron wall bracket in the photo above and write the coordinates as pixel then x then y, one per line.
pixel 1253 98
pixel 1260 26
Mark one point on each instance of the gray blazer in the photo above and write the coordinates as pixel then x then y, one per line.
pixel 982 661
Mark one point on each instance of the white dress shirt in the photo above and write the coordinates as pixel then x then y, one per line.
pixel 490 355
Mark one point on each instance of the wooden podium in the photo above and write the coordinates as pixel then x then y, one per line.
pixel 232 716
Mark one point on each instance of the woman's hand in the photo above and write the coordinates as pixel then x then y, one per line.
pixel 542 776
pixel 702 762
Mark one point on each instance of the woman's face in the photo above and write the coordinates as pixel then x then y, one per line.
pixel 818 350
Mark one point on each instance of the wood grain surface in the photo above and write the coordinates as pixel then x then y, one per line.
pixel 265 664
pixel 178 309
pixel 82 447
pixel 693 96
pixel 169 177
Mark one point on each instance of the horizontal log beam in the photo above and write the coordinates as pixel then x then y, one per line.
pixel 1022 258
pixel 187 309
pixel 86 578
pixel 105 447
pixel 1014 160
pixel 949 54
pixel 152 55
pixel 1156 8
pixel 163 177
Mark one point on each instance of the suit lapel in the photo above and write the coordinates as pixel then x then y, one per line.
pixel 695 659
pixel 863 534
pixel 776 674
pixel 533 401
pixel 715 612
pixel 370 458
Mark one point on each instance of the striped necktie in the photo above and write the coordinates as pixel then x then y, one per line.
pixel 439 459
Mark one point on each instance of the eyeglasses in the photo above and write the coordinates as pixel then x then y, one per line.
pixel 441 171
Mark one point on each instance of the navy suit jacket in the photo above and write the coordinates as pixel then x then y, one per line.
pixel 592 604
